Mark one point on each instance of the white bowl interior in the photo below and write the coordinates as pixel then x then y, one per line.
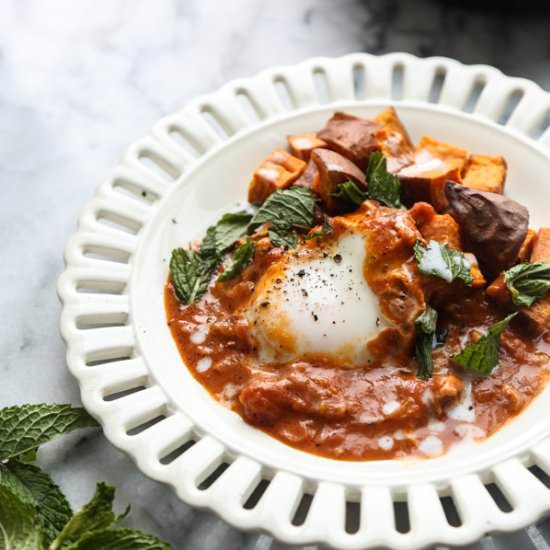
pixel 215 185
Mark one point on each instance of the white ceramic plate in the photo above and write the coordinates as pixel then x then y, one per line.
pixel 170 186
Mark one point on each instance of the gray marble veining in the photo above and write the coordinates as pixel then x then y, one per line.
pixel 82 79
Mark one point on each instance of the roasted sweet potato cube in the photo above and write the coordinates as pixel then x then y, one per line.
pixel 435 162
pixel 301 145
pixel 394 140
pixel 541 246
pixel 278 171
pixel 333 169
pixel 353 137
pixel 536 319
pixel 485 173
pixel 526 248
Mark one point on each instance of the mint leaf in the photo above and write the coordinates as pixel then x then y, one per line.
pixel 482 356
pixel 227 231
pixel 286 211
pixel 425 341
pixel 25 427
pixel 351 193
pixel 440 261
pixel 528 282
pixel 33 485
pixel 97 514
pixel 118 539
pixel 19 523
pixel 381 184
pixel 243 256
pixel 190 274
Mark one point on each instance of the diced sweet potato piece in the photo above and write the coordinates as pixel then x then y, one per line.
pixel 310 176
pixel 536 319
pixel 301 145
pixel 278 171
pixel 438 227
pixel 434 163
pixel 527 246
pixel 353 137
pixel 498 291
pixel 333 169
pixel 541 246
pixel 485 173
pixel 394 140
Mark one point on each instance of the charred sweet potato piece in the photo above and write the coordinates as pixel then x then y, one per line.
pixel 394 140
pixel 536 319
pixel 278 171
pixel 333 169
pixel 493 226
pixel 353 137
pixel 485 173
pixel 435 162
pixel 301 145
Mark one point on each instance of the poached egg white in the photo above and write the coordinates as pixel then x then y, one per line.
pixel 317 303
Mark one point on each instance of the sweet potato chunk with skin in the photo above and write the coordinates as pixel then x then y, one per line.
pixel 301 145
pixel 493 226
pixel 333 169
pixel 536 319
pixel 310 177
pixel 394 140
pixel 353 137
pixel 434 163
pixel 278 171
pixel 485 173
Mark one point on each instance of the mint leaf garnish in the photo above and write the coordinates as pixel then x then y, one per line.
pixel 528 282
pixel 350 192
pixel 286 211
pixel 19 523
pixel 381 184
pixel 25 427
pixel 118 539
pixel 97 514
pixel 425 341
pixel 440 261
pixel 190 274
pixel 224 234
pixel 33 485
pixel 482 356
pixel 243 256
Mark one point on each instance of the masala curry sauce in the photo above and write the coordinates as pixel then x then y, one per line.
pixel 381 410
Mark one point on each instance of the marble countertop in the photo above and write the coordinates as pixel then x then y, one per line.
pixel 80 80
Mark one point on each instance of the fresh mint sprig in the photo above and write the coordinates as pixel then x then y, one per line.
pixel 34 513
